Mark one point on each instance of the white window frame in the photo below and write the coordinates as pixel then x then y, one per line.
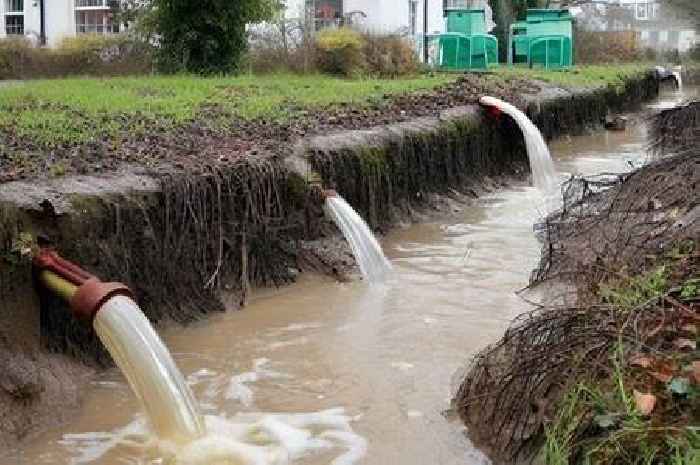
pixel 642 7
pixel 14 11
pixel 87 21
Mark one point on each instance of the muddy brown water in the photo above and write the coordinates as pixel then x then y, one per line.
pixel 386 354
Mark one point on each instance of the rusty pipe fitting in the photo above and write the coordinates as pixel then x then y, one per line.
pixel 329 193
pixel 492 111
pixel 89 294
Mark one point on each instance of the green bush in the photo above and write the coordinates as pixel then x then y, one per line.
pixel 341 51
pixel 83 55
pixel 203 36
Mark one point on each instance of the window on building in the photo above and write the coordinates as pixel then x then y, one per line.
pixel 14 17
pixel 413 17
pixel 14 25
pixel 14 6
pixel 642 11
pixel 327 13
pixel 95 22
pixel 91 3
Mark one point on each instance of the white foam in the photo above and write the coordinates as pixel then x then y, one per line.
pixel 238 388
pixel 245 439
pixel 403 366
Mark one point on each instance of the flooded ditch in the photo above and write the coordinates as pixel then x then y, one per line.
pixel 348 373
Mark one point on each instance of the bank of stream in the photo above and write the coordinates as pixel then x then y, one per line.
pixel 386 354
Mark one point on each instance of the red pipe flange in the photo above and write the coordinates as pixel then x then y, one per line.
pixel 92 293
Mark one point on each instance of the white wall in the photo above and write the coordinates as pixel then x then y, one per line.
pixel 389 16
pixel 60 20
pixel 32 19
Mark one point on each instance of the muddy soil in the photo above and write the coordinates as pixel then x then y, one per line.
pixel 199 144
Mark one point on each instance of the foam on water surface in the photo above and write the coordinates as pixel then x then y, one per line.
pixel 244 439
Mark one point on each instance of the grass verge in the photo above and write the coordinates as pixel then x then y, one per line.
pixel 80 110
pixel 644 408
pixel 76 110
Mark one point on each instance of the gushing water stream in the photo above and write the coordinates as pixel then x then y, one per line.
pixel 368 253
pixel 150 370
pixel 544 176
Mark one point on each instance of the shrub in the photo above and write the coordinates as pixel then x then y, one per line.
pixel 390 56
pixel 605 47
pixel 203 36
pixel 341 51
pixel 84 55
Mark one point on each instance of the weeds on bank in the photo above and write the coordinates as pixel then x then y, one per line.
pixel 644 408
pixel 591 76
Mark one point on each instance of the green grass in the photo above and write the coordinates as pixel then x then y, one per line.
pixel 579 76
pixel 78 110
pixel 75 110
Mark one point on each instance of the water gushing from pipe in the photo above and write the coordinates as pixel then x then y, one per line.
pixel 544 175
pixel 150 370
pixel 374 265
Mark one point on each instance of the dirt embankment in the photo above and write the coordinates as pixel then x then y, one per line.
pixel 198 145
pixel 236 216
pixel 613 377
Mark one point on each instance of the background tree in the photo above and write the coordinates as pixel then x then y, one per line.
pixel 505 13
pixel 203 36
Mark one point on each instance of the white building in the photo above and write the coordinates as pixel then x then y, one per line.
pixel 50 21
pixel 659 27
pixel 405 17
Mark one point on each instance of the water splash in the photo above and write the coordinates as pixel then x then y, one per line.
pixel 150 370
pixel 544 175
pixel 244 439
pixel 368 253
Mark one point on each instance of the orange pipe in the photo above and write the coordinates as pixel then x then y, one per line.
pixel 84 292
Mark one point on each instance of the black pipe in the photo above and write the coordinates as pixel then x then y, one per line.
pixel 42 16
pixel 425 31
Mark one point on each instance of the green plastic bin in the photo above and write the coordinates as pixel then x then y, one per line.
pixel 466 45
pixel 462 52
pixel 545 39
pixel 467 22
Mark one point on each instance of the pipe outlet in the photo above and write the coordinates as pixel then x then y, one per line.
pixel 85 293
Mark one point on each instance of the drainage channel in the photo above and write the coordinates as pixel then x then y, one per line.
pixel 348 373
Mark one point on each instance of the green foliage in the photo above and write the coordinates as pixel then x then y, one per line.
pixel 341 51
pixel 204 36
pixel 633 291
pixel 589 76
pixel 690 289
pixel 598 424
pixel 562 433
